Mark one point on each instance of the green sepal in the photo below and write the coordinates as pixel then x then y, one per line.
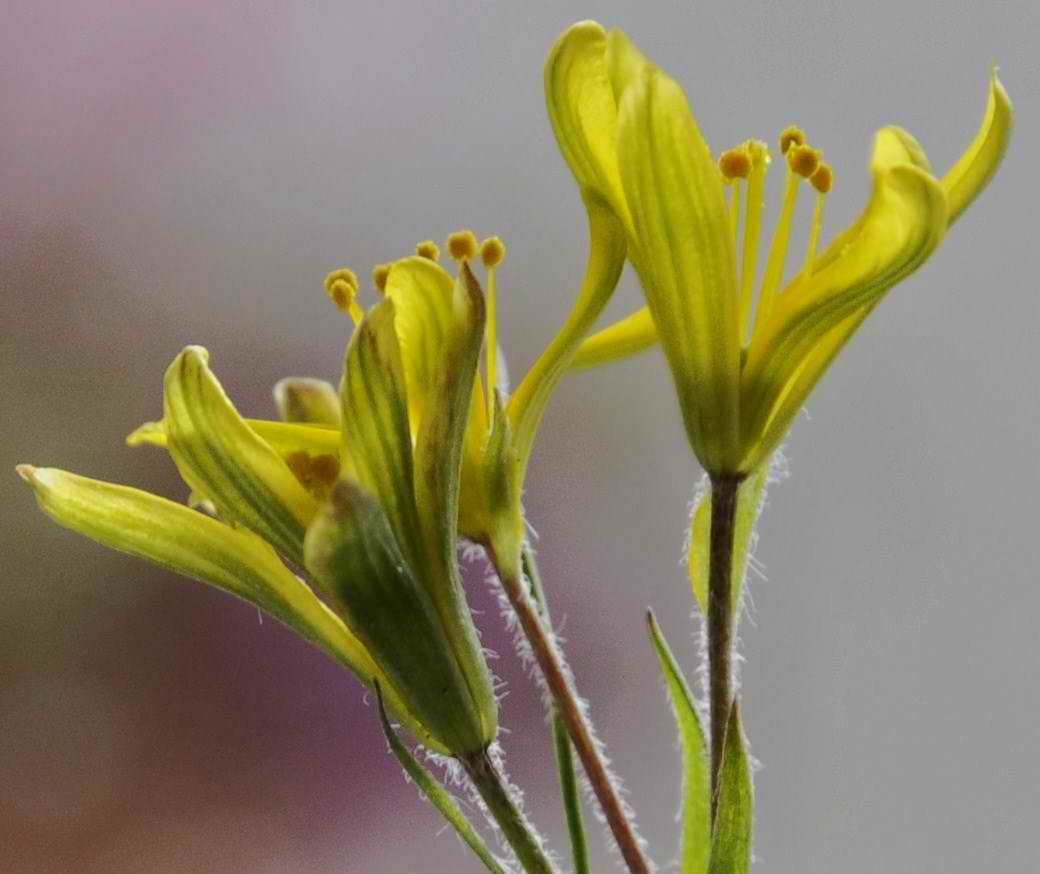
pixel 355 561
pixel 696 767
pixel 307 401
pixel 222 458
pixel 432 790
pixel 191 543
pixel 731 838
pixel 376 430
pixel 749 506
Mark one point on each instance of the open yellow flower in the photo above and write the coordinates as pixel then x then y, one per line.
pixel 741 372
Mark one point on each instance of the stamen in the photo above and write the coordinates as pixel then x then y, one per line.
pixel 380 275
pixel 428 249
pixel 734 210
pixel 791 136
pixel 802 161
pixel 462 245
pixel 735 163
pixel 341 286
pixel 759 153
pixel 821 180
pixel 492 253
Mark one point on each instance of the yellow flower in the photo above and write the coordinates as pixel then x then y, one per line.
pixel 741 372
pixel 374 526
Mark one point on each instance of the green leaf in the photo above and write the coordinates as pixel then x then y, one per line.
pixel 731 841
pixel 436 794
pixel 357 564
pixel 749 506
pixel 696 809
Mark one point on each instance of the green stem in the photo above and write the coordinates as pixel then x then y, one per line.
pixel 569 792
pixel 488 782
pixel 720 618
pixel 562 690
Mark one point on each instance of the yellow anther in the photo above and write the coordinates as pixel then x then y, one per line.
pixel 791 136
pixel 342 287
pixel 823 179
pixel 492 252
pixel 349 277
pixel 316 473
pixel 428 249
pixel 462 245
pixel 804 160
pixel 380 274
pixel 759 152
pixel 735 163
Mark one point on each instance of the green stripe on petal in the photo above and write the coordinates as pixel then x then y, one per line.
pixel 221 457
pixel 285 438
pixel 685 260
pixel 902 225
pixel 355 559
pixel 422 293
pixel 967 179
pixel 192 544
pixel 696 768
pixel 438 462
pixel 376 427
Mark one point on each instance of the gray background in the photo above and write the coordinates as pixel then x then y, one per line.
pixel 188 172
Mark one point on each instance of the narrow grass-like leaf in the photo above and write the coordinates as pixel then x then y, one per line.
pixel 696 809
pixel 749 505
pixel 731 840
pixel 436 794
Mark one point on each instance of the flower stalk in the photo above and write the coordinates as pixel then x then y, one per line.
pixel 721 617
pixel 487 780
pixel 565 697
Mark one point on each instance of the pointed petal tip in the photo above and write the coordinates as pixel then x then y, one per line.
pixel 27 472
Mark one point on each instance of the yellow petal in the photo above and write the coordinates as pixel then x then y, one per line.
pixel 583 111
pixel 625 63
pixel 606 259
pixel 628 336
pixel 221 457
pixel 307 401
pixel 685 259
pixel 421 291
pixel 971 174
pixel 902 225
pixel 190 543
pixel 376 426
pixel 284 437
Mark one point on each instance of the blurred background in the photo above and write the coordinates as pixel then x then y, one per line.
pixel 187 172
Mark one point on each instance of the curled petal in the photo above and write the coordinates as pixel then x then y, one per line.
pixel 225 460
pixel 900 228
pixel 971 174
pixel 626 337
pixel 583 111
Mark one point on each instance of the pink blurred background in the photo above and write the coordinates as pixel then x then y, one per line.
pixel 176 173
